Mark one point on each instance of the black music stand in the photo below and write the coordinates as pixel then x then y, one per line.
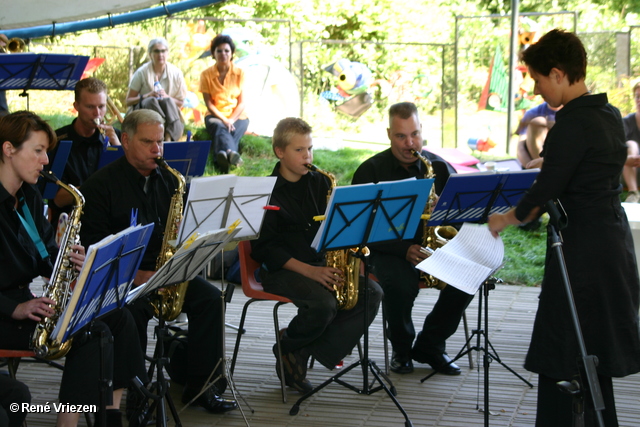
pixel 222 201
pixel 106 277
pixel 472 198
pixel 586 364
pixel 46 71
pixel 183 266
pixel 362 214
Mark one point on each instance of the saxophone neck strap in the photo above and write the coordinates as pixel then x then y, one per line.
pixel 30 226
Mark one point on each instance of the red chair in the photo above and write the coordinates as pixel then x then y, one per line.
pixel 13 358
pixel 253 289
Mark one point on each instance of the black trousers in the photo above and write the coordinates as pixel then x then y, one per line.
pixel 80 383
pixel 400 282
pixel 203 305
pixel 12 391
pixel 555 408
pixel 327 333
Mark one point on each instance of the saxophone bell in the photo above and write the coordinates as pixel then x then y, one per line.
pixel 432 237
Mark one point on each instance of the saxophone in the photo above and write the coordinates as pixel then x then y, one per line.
pixel 433 237
pixel 171 297
pixel 63 276
pixel 345 260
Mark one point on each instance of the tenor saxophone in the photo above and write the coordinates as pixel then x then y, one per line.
pixel 433 237
pixel 60 285
pixel 345 260
pixel 171 297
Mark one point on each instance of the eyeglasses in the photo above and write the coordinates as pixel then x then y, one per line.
pixel 156 51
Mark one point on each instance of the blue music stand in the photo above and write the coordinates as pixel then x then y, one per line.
pixel 350 210
pixel 188 158
pixel 44 71
pixel 106 277
pixel 356 216
pixel 473 197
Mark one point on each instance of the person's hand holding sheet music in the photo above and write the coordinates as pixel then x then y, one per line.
pixel 467 260
pixel 415 255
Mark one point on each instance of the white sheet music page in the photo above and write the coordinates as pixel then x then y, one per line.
pixel 468 259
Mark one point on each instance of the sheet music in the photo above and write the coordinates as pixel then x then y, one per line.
pixel 218 201
pixel 468 259
pixel 188 261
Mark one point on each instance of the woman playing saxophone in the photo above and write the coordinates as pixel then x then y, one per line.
pixel 28 250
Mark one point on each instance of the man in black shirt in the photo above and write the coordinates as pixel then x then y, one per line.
pixel 89 136
pixel 292 268
pixel 134 183
pixel 394 263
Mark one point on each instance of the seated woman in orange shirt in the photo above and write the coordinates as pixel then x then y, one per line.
pixel 221 86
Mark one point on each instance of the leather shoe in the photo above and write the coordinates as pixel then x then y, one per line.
pixel 401 364
pixel 295 370
pixel 439 362
pixel 223 161
pixel 209 400
pixel 235 159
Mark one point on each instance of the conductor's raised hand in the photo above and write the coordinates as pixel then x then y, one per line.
pixel 35 309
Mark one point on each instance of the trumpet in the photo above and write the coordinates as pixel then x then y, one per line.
pixel 113 111
pixel 14 45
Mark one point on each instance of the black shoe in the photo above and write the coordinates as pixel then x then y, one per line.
pixel 113 418
pixel 209 400
pixel 439 362
pixel 136 407
pixel 235 159
pixel 295 370
pixel 223 161
pixel 401 364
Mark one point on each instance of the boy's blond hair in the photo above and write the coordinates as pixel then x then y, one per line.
pixel 285 129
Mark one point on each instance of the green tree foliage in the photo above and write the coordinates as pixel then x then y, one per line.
pixel 618 7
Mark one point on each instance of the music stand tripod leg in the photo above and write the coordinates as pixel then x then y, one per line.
pixel 160 385
pixel 366 363
pixel 226 372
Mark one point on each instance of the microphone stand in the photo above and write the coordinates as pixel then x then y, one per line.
pixel 586 364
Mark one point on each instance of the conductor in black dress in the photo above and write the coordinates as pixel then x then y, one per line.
pixel 583 158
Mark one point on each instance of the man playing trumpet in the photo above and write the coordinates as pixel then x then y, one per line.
pixel 89 135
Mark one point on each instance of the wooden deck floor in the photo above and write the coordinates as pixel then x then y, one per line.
pixel 440 401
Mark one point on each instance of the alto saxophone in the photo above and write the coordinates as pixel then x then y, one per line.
pixel 59 286
pixel 433 237
pixel 171 297
pixel 344 260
